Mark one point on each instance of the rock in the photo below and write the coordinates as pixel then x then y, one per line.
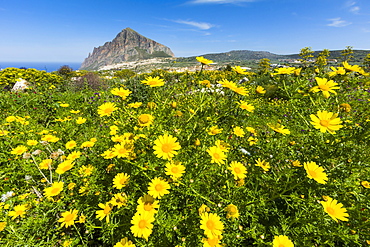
pixel 128 45
pixel 20 85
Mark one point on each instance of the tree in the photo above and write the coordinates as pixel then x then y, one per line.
pixel 366 62
pixel 65 71
pixel 322 60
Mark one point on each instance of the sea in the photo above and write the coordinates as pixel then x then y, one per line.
pixel 47 66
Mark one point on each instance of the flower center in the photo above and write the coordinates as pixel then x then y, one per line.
pixel 324 87
pixel 166 148
pixel 106 210
pixel 159 187
pixel 122 181
pixel 330 210
pixel 216 156
pixel 55 191
pixel 108 110
pixel 313 173
pixel 175 170
pixel 210 225
pixel 142 224
pixel 143 119
pixel 19 212
pixel 148 207
pixel 232 210
pixel 68 218
pixel 324 123
pixel 237 170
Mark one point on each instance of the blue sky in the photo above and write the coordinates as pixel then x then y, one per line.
pixel 66 31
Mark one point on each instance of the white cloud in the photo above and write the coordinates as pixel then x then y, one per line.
pixel 354 9
pixel 200 25
pixel 219 1
pixel 338 22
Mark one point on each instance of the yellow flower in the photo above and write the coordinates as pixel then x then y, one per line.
pixel 354 68
pixel 203 209
pixel 207 83
pixel 252 140
pixel 334 209
pixel 19 150
pixel 165 146
pixel 32 142
pixel 203 60
pixel 232 211
pixel 212 242
pixel 282 241
pixel 123 93
pixel 123 149
pixel 153 82
pixel 119 200
pixel 104 213
pixel 145 120
pixel 81 218
pixel 238 170
pixel 87 144
pixel 10 119
pixel 71 145
pixel 251 130
pixel 279 128
pixel 106 109
pixel 345 107
pixel 325 86
pixel 326 121
pixel 135 105
pixel 49 138
pixel 68 218
pixel 284 71
pixel 244 105
pixel 239 70
pixel 296 163
pixel 86 170
pixel 214 130
pixel 2 226
pixel 315 172
pixel 158 188
pixel 175 170
pixel 64 105
pixel 241 90
pixel 211 224
pixel 228 84
pixel 74 111
pixel 263 164
pixel 366 184
pixel 80 120
pixel 142 224
pixel 121 180
pixel 147 203
pixel 19 210
pixel 45 164
pixel 217 155
pixel 74 155
pixel 64 166
pixel 4 132
pixel 124 243
pixel 337 71
pixel 260 90
pixel 54 190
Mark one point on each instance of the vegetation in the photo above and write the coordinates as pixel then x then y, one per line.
pixel 229 157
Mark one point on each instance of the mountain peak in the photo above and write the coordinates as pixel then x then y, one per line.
pixel 128 45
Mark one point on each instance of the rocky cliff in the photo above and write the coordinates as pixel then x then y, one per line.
pixel 128 45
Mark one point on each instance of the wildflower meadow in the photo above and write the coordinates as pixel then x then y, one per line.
pixel 273 157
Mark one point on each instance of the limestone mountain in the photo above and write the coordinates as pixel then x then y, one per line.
pixel 128 45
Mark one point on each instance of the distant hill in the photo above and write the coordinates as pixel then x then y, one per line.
pixel 244 55
pixel 128 45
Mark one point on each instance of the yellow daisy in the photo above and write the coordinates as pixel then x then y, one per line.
pixel 218 156
pixel 19 210
pixel 325 86
pixel 121 180
pixel 71 145
pixel 158 188
pixel 64 166
pixel 142 224
pixel 175 170
pixel 153 81
pixel 214 130
pixel 212 242
pixel 2 226
pixel 165 146
pixel 334 209
pixel 211 224
pixel 54 189
pixel 326 121
pixel 315 172
pixel 124 243
pixel 239 70
pixel 80 120
pixel 19 150
pixel 282 241
pixel 145 120
pixel 104 213
pixel 260 90
pixel 263 164
pixel 279 128
pixel 203 60
pixel 244 105
pixel 68 218
pixel 232 211
pixel 147 203
pixel 123 93
pixel 45 164
pixel 119 200
pixel 238 170
pixel 123 149
pixel 238 131
pixel 106 109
